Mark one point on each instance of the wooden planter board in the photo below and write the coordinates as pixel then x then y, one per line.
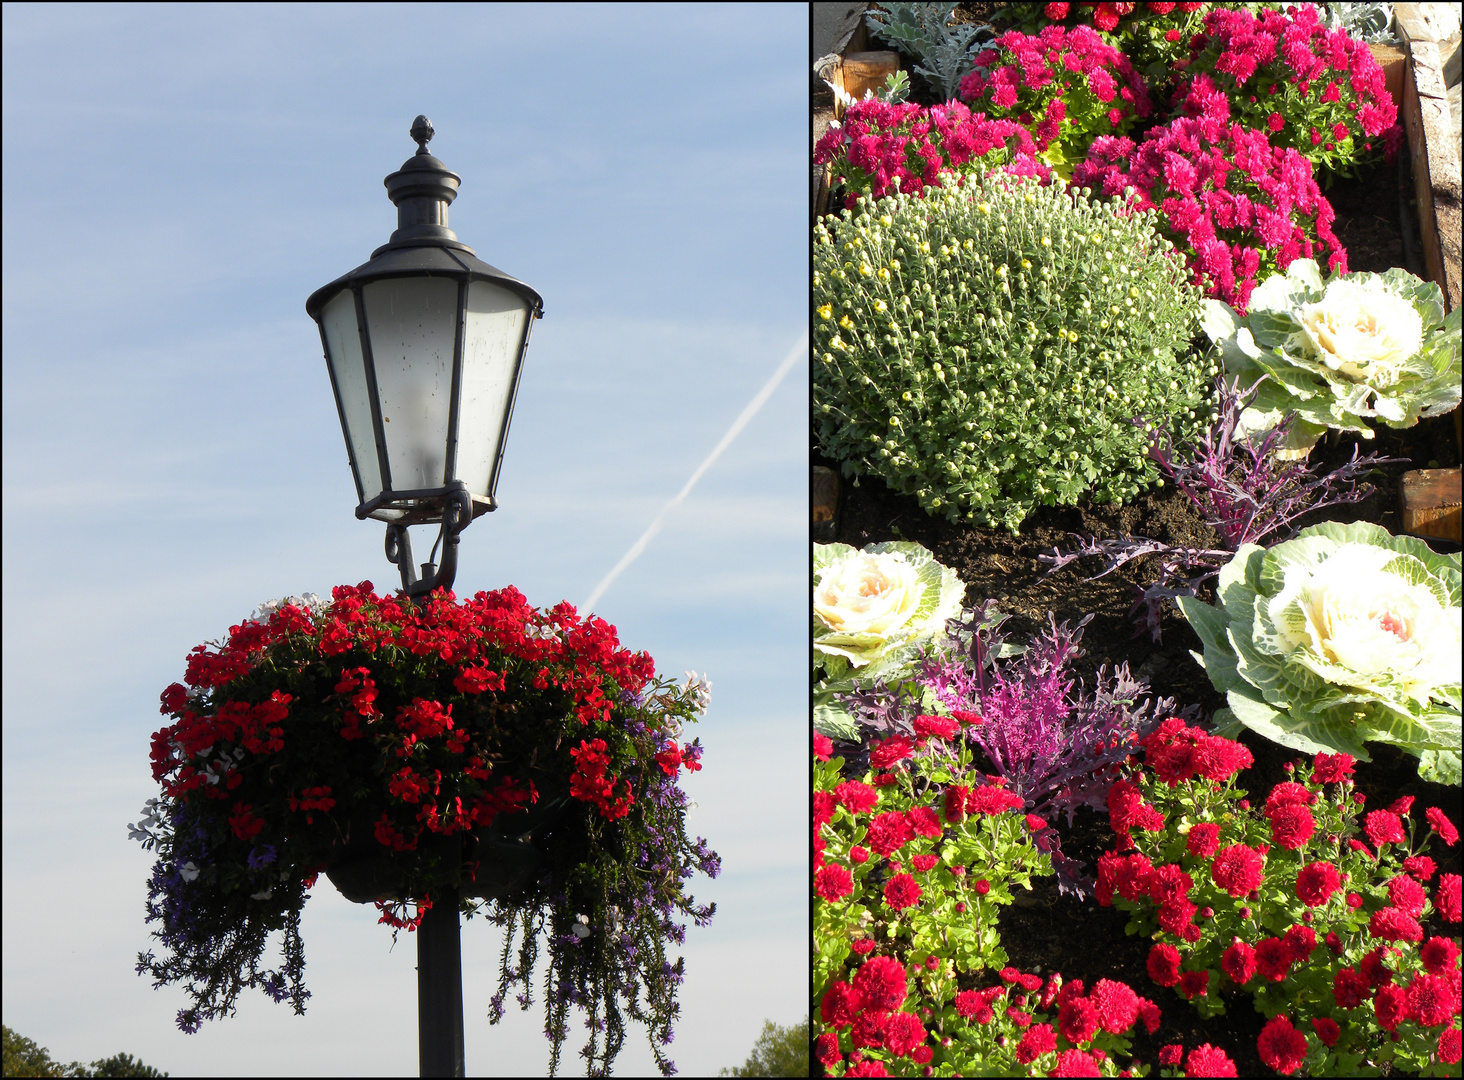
pixel 1431 503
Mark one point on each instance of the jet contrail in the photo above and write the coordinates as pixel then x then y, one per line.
pixel 737 425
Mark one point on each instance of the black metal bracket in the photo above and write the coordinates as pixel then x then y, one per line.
pixel 457 515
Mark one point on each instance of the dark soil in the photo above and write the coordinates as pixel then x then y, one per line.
pixel 1083 940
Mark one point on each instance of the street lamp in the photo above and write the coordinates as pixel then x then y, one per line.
pixel 425 344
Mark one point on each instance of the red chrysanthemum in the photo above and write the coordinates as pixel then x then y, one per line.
pixel 1442 825
pixel 1317 882
pixel 1118 1005
pixel 924 862
pixel 1449 1049
pixel 1384 827
pixel 856 797
pixel 882 982
pixel 1332 768
pixel 1075 1063
pixel 1420 867
pixel 1239 962
pixel 1390 1005
pixel 1349 988
pixel 1078 1021
pixel 889 832
pixel 1301 940
pixel 941 727
pixel 1431 1000
pixel 823 749
pixel 1207 1060
pixel 923 821
pixel 1194 983
pixel 1373 969
pixel 1446 897
pixel 901 891
pixel 833 882
pixel 1327 1030
pixel 1036 1041
pixel 826 1049
pixel 903 1033
pixel 1292 825
pixel 890 751
pixel 841 1004
pixel 1237 869
pixel 1273 959
pixel 1394 924
pixel 991 799
pixel 1163 964
pixel 1281 1046
pixel 1203 840
pixel 1438 955
pixel 1289 792
pixel 1407 894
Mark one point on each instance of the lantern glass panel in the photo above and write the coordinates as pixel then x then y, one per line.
pixel 343 346
pixel 413 324
pixel 493 339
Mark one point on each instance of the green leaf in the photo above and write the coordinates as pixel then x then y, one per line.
pixel 1441 767
pixel 835 722
pixel 1293 730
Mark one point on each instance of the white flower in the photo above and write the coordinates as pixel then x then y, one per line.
pixel 1364 332
pixel 699 689
pixel 188 871
pixel 581 927
pixel 1357 614
pixel 134 833
pixel 263 894
pixel 868 594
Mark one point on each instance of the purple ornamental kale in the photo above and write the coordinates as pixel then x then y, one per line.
pixel 1244 492
pixel 1057 743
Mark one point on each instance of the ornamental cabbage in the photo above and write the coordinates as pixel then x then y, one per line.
pixel 1362 346
pixel 1344 635
pixel 872 611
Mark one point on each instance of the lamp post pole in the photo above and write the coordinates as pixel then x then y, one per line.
pixel 425 344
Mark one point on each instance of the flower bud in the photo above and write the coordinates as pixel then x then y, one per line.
pixel 1245 913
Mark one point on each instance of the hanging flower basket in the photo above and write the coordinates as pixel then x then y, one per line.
pixel 517 756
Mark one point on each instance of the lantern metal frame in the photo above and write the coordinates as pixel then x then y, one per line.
pixel 423 247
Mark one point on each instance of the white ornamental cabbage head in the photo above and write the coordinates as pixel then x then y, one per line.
pixel 1338 354
pixel 1362 330
pixel 1344 635
pixel 873 610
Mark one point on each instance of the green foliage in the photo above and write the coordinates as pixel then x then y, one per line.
pixel 24 1058
pixel 987 348
pixel 779 1051
pixel 921 31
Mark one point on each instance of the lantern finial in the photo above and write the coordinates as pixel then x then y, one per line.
pixel 422 132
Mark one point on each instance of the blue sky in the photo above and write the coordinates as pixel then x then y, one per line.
pixel 177 180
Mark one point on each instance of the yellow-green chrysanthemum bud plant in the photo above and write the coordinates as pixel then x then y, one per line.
pixel 987 347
